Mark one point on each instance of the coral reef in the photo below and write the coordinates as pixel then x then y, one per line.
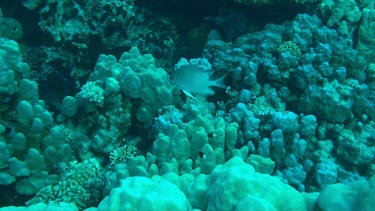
pixel 218 105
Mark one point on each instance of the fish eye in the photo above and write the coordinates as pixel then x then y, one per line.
pixel 172 79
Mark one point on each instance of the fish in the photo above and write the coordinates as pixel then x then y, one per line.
pixel 194 77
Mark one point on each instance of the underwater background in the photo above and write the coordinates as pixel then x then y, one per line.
pixel 225 105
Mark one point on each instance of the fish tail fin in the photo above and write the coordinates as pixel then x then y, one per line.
pixel 220 82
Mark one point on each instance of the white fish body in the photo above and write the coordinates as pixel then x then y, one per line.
pixel 194 77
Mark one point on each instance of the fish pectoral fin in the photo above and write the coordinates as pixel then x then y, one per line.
pixel 188 94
